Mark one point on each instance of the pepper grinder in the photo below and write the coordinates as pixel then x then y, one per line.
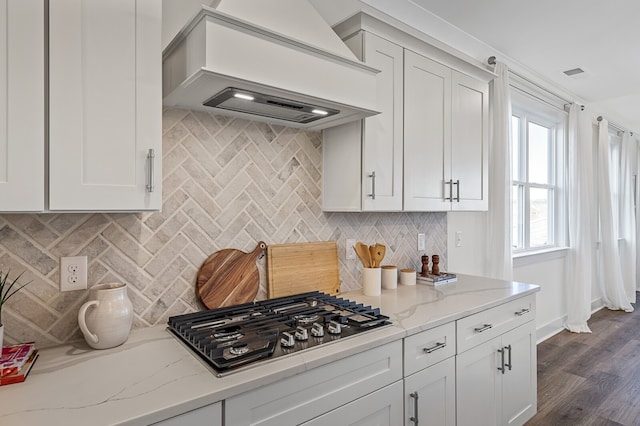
pixel 435 269
pixel 425 266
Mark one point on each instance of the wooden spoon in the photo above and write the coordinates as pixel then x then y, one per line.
pixel 362 251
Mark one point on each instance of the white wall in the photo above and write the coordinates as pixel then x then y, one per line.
pixel 547 271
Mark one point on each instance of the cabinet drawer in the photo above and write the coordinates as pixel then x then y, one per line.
pixel 484 326
pixel 429 347
pixel 305 396
pixel 380 408
pixel 210 415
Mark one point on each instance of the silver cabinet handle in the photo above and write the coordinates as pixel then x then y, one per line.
pixel 414 419
pixel 522 311
pixel 450 183
pixel 457 184
pixel 373 185
pixel 435 348
pixel 151 156
pixel 502 369
pixel 508 365
pixel 483 328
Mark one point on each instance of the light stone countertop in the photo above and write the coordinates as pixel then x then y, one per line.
pixel 153 376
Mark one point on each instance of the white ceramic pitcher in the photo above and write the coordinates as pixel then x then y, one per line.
pixel 105 320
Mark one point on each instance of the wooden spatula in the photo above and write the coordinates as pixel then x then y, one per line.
pixel 377 254
pixel 362 251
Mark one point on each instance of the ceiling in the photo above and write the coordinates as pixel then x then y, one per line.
pixel 543 38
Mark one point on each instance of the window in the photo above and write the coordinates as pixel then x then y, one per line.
pixel 537 147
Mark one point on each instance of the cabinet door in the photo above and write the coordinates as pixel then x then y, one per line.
pixel 434 389
pixel 105 105
pixel 479 385
pixel 210 415
pixel 427 137
pixel 22 105
pixel 380 408
pixel 469 143
pixel 519 386
pixel 382 134
pixel 309 394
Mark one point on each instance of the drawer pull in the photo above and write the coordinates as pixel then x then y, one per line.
pixel 522 311
pixel 373 185
pixel 508 365
pixel 502 369
pixel 414 419
pixel 457 184
pixel 483 328
pixel 450 183
pixel 435 348
pixel 151 158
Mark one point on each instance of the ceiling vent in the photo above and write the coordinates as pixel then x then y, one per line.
pixel 574 71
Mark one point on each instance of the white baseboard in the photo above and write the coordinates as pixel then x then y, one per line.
pixel 545 331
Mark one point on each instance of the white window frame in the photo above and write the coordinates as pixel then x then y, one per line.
pixel 528 109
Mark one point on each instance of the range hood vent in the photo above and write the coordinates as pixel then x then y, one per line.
pixel 280 53
pixel 267 106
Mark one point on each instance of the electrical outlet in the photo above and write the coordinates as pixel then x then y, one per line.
pixel 422 242
pixel 73 273
pixel 458 238
pixel 349 249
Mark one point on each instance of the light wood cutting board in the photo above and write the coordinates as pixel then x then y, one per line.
pixel 302 267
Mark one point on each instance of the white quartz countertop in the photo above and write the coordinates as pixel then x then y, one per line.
pixel 153 376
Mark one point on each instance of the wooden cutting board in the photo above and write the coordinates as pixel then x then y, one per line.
pixel 229 277
pixel 302 267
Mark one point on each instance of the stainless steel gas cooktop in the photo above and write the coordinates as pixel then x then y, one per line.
pixel 238 336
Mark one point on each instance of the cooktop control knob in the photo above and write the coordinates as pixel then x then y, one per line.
pixel 334 327
pixel 302 334
pixel 287 340
pixel 317 330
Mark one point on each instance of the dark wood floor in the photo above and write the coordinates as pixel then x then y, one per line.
pixel 591 379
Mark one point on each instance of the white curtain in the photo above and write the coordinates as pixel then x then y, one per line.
pixel 610 272
pixel 627 246
pixel 580 179
pixel 499 262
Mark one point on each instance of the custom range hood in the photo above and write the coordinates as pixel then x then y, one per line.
pixel 268 60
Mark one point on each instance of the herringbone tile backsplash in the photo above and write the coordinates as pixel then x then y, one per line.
pixel 228 183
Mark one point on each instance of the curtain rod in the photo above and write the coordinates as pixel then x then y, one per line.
pixel 492 61
pixel 615 125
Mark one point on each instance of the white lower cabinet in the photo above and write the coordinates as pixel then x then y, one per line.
pixel 380 408
pixel 210 415
pixel 496 381
pixel 430 395
pixel 308 395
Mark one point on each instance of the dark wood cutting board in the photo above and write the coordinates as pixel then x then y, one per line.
pixel 229 277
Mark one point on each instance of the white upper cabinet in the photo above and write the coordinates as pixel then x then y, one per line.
pixel 428 148
pixel 363 160
pixel 427 154
pixel 446 138
pixel 105 105
pixel 469 143
pixel 382 134
pixel 22 105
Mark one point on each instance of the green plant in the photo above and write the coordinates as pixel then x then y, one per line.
pixel 8 288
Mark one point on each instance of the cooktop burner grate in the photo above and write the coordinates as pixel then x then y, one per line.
pixel 232 337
